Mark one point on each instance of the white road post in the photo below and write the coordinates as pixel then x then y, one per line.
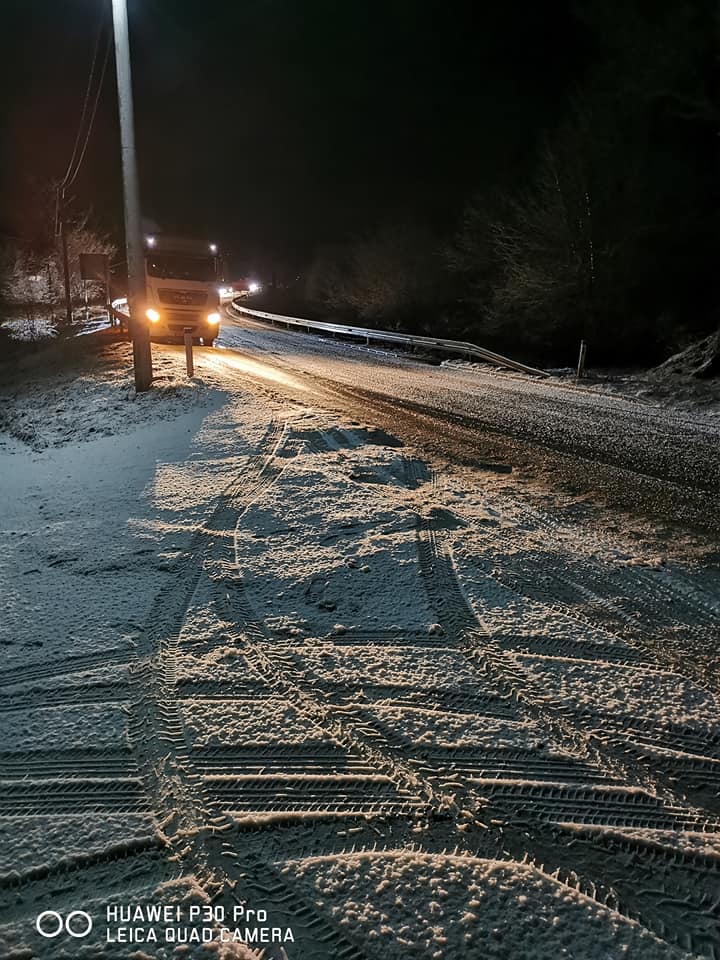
pixel 581 360
pixel 187 336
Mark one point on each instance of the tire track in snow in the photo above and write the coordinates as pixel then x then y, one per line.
pixel 194 811
pixel 694 770
pixel 66 785
pixel 120 871
pixel 669 890
pixel 92 763
pixel 43 669
pixel 285 677
pixel 588 594
pixel 692 656
pixel 483 764
pixel 290 683
pixel 526 810
pixel 566 723
pixel 65 696
pixel 156 727
pixel 285 759
pixel 56 797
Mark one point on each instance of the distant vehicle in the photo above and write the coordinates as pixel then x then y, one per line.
pixel 243 288
pixel 181 288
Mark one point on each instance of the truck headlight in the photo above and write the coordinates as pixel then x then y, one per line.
pixel 152 315
pixel 213 318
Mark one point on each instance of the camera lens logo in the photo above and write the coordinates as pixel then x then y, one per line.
pixel 50 924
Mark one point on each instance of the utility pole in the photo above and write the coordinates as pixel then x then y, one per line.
pixel 65 260
pixel 139 331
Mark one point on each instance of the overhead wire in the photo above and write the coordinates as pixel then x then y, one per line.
pixel 72 177
pixel 75 162
pixel 86 99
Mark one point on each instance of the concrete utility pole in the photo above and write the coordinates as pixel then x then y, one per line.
pixel 65 259
pixel 139 330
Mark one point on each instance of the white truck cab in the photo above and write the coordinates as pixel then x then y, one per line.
pixel 181 288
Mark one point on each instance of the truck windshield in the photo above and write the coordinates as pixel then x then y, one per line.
pixel 169 266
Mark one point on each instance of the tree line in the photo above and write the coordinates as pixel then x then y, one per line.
pixel 613 239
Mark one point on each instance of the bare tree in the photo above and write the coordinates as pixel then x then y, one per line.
pixel 32 283
pixel 545 251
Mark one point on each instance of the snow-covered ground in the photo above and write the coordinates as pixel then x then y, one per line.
pixel 38 327
pixel 259 650
pixel 674 391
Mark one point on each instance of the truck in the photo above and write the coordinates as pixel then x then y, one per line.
pixel 181 288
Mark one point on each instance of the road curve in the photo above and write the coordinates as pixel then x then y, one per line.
pixel 633 453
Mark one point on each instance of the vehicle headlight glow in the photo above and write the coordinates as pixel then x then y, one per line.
pixel 253 287
pixel 213 318
pixel 152 315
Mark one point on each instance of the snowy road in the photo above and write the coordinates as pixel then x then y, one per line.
pixel 263 650
pixel 632 453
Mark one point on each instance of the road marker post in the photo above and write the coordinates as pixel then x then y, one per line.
pixel 187 336
pixel 581 360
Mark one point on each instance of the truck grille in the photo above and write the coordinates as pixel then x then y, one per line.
pixel 183 298
pixel 177 320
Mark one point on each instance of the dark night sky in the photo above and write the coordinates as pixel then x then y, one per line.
pixel 274 125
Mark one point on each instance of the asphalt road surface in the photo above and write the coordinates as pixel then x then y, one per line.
pixel 625 452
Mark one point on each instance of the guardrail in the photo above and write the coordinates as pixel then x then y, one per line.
pixel 119 313
pixel 391 336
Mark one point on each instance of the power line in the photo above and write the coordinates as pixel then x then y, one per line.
pixel 86 100
pixel 69 182
pixel 72 172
